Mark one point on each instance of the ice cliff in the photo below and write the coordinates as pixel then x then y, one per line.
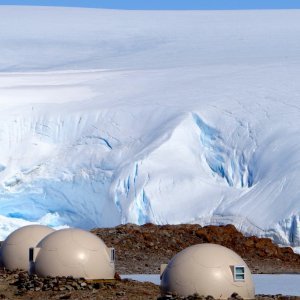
pixel 108 117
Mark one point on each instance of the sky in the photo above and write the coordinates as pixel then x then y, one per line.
pixel 163 4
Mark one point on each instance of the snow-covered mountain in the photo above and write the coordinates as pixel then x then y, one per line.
pixel 109 117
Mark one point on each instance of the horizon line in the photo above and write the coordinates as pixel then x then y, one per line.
pixel 159 5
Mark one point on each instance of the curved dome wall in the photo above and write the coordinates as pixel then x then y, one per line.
pixel 73 252
pixel 208 269
pixel 15 249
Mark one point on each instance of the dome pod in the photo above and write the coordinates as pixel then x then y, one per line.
pixel 15 249
pixel 207 269
pixel 73 252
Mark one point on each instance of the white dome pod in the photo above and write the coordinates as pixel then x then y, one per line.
pixel 73 252
pixel 207 269
pixel 15 249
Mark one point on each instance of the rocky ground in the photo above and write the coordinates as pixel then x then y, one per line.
pixel 141 249
pixel 21 285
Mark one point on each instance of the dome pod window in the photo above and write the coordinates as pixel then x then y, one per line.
pixel 239 273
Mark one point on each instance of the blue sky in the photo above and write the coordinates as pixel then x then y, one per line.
pixel 164 4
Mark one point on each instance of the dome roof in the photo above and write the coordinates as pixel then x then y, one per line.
pixel 15 249
pixel 207 269
pixel 73 252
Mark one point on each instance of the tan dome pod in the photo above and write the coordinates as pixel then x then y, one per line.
pixel 15 249
pixel 207 269
pixel 73 252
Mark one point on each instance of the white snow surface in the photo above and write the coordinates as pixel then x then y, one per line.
pixel 267 284
pixel 109 117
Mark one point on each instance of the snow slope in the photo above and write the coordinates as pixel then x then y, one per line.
pixel 109 117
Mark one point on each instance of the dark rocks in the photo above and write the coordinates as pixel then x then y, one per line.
pixel 25 283
pixel 142 249
pixel 235 296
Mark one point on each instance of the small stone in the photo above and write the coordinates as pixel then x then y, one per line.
pixel 69 287
pixel 121 293
pixel 65 296
pixel 98 285
pixel 75 285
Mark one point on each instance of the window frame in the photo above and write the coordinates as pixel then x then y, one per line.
pixel 112 255
pixel 236 273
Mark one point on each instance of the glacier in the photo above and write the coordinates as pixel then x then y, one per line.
pixel 110 116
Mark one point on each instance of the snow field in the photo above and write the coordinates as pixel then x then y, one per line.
pixel 111 116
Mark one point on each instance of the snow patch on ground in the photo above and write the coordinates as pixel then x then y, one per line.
pixel 266 284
